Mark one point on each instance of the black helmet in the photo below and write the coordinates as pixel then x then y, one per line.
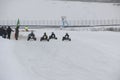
pixel 44 33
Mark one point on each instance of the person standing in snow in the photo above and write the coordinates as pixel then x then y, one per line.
pixel 9 32
pixel 4 32
pixel 26 28
pixel 1 31
pixel 16 33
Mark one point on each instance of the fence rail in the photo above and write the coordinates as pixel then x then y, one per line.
pixel 59 22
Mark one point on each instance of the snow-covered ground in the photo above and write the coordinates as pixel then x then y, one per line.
pixel 89 56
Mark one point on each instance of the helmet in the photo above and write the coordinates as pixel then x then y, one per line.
pixel 44 33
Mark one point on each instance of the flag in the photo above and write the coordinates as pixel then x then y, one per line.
pixel 17 29
pixel 18 23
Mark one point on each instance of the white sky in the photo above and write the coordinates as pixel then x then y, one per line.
pixel 53 10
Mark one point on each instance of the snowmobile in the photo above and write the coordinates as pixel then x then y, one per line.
pixel 44 38
pixel 66 37
pixel 52 36
pixel 31 36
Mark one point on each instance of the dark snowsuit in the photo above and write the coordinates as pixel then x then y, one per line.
pixel 16 33
pixel 31 36
pixel 4 32
pixel 1 31
pixel 44 37
pixel 9 32
pixel 52 36
pixel 66 37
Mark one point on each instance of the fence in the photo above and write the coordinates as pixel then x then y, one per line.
pixel 59 22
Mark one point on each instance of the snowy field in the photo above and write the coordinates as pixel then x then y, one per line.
pixel 91 55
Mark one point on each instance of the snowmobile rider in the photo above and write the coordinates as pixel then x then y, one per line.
pixel 44 37
pixel 66 37
pixel 52 36
pixel 31 36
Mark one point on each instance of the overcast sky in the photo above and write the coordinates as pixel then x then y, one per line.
pixel 47 9
pixel 115 1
